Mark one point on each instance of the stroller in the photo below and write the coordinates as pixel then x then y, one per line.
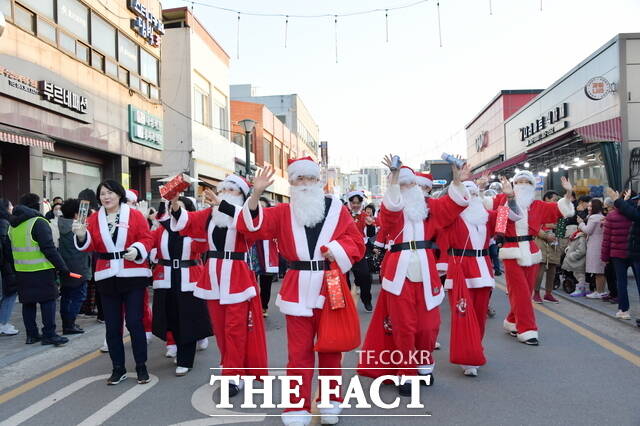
pixel 567 281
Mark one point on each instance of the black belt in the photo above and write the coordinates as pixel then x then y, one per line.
pixel 306 265
pixel 518 239
pixel 468 252
pixel 112 255
pixel 177 263
pixel 414 245
pixel 230 255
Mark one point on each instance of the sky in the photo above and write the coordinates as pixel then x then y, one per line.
pixel 408 96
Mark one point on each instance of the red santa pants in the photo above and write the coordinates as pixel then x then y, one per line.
pixel 147 315
pixel 301 333
pixel 230 325
pixel 415 329
pixel 480 300
pixel 522 281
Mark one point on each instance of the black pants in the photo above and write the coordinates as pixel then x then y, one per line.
pixel 265 289
pixel 612 282
pixel 48 311
pixel 186 354
pixel 362 279
pixel 100 314
pixel 112 305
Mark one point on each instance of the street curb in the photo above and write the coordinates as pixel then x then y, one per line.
pixel 576 301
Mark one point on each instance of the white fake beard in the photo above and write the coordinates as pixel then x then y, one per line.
pixel 415 205
pixel 307 204
pixel 220 219
pixel 475 213
pixel 524 194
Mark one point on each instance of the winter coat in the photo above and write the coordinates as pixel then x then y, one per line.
pixel 39 286
pixel 632 212
pixel 77 261
pixel 9 285
pixel 615 241
pixel 574 261
pixel 594 230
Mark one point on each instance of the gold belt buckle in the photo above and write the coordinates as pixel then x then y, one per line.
pixel 413 246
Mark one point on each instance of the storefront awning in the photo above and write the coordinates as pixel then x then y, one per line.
pixel 505 164
pixel 18 136
pixel 603 131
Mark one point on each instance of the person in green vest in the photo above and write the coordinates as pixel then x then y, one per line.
pixel 36 259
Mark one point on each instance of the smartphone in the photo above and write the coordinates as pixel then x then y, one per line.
pixel 83 212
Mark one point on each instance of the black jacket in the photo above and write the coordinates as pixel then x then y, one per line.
pixel 39 286
pixel 7 271
pixel 632 212
pixel 77 261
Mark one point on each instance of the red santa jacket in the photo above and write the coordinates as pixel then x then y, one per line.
pixel 442 212
pixel 301 290
pixel 269 256
pixel 478 271
pixel 191 250
pixel 228 280
pixel 133 231
pixel 529 222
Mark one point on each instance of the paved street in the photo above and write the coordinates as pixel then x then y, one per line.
pixel 586 371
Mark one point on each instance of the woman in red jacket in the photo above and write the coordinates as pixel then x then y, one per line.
pixel 615 243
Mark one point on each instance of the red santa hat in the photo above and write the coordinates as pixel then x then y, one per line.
pixel 424 179
pixel 132 195
pixel 304 166
pixel 236 182
pixel 356 193
pixel 524 174
pixel 407 175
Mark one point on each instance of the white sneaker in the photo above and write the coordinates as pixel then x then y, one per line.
pixel 182 371
pixel 329 415
pixel 104 348
pixel 471 371
pixel 595 295
pixel 623 315
pixel 203 344
pixel 8 330
pixel 329 420
pixel 172 351
pixel 437 346
pixel 149 336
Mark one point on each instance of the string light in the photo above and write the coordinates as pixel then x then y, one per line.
pixel 439 28
pixel 286 30
pixel 238 39
pixel 336 35
pixel 386 23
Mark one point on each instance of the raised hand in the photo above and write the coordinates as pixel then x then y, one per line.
pixel 566 184
pixel 387 161
pixel 211 198
pixel 611 193
pixel 483 180
pixel 263 179
pixel 462 174
pixel 507 188
pixel 627 194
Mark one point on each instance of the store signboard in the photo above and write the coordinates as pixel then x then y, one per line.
pixel 545 125
pixel 144 128
pixel 482 141
pixel 145 24
pixel 598 88
pixel 45 90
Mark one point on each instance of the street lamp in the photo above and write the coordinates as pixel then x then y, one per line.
pixel 247 125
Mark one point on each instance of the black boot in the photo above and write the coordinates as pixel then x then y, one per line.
pixel 143 375
pixel 71 329
pixel 33 339
pixel 54 340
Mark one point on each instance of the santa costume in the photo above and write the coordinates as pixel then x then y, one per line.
pixel 411 286
pixel 178 317
pixel 425 182
pixel 521 255
pixel 227 283
pixel 311 222
pixel 360 269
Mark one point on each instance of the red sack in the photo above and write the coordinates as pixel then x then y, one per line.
pixel 502 216
pixel 256 360
pixel 466 342
pixel 339 329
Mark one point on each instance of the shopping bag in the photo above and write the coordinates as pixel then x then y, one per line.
pixel 466 341
pixel 339 329
pixel 502 217
pixel 175 186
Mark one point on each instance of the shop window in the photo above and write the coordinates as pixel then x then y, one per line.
pixel 82 52
pixel 148 66
pixel 111 68
pixel 103 36
pixel 134 82
pixel 277 157
pixel 74 16
pixel 66 42
pixel 46 31
pixel 144 88
pixel 80 176
pixel 154 93
pixel 201 106
pixel 223 120
pixel 238 139
pixel 53 177
pixel 5 8
pixel 266 150
pixel 43 7
pixel 123 76
pixel 97 60
pixel 127 53
pixel 25 19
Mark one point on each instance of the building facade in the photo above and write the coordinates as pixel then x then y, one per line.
pixel 195 79
pixel 79 95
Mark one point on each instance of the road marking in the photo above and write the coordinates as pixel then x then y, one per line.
pixel 103 414
pixel 607 344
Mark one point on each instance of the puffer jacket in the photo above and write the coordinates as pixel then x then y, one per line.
pixel 615 241
pixel 631 211
pixel 576 256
